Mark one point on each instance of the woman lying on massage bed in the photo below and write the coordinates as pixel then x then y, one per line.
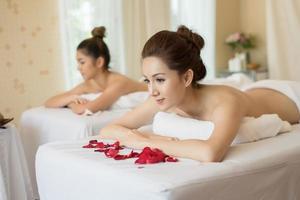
pixel 172 66
pixel 93 63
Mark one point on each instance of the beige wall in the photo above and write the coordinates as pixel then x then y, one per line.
pixel 227 22
pixel 253 21
pixel 247 16
pixel 31 68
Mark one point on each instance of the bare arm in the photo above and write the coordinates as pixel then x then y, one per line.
pixel 138 117
pixel 109 96
pixel 65 98
pixel 226 117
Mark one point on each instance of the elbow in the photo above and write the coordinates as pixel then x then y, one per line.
pixel 48 104
pixel 211 154
pixel 106 132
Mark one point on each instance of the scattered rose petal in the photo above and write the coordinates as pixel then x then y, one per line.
pixel 147 156
pixel 88 146
pixel 111 153
pixel 93 141
pixel 120 157
pixel 100 150
pixel 171 159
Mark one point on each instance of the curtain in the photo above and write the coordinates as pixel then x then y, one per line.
pixel 141 19
pixel 199 15
pixel 78 18
pixel 283 39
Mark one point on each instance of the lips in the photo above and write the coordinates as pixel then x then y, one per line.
pixel 160 101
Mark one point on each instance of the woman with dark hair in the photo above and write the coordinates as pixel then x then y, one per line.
pixel 93 63
pixel 172 67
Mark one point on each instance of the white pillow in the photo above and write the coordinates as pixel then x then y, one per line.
pixel 251 129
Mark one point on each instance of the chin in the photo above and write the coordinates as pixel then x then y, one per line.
pixel 165 108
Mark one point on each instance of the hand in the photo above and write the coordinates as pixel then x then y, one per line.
pixel 77 108
pixel 79 100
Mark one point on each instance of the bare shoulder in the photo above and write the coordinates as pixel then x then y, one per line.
pixel 82 88
pixel 117 81
pixel 225 95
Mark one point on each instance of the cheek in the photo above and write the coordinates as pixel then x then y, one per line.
pixel 172 90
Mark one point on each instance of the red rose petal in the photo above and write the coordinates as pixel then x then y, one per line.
pixel 111 153
pixel 88 146
pixel 120 157
pixel 100 145
pixel 100 150
pixel 147 156
pixel 93 141
pixel 171 159
pixel 133 154
pixel 140 161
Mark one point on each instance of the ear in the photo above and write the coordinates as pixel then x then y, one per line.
pixel 100 62
pixel 188 77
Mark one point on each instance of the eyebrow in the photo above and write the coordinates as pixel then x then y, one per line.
pixel 154 75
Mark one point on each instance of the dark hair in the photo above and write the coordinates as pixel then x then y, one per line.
pixel 95 46
pixel 180 50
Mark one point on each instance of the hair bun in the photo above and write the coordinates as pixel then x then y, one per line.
pixel 194 38
pixel 99 32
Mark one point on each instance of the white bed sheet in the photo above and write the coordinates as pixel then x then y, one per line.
pixel 266 169
pixel 41 125
pixel 14 178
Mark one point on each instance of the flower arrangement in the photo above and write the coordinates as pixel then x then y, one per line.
pixel 240 41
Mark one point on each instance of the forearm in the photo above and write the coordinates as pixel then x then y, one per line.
pixel 155 136
pixel 59 101
pixel 95 106
pixel 193 149
pixel 114 132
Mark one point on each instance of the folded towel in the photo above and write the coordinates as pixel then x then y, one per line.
pixel 251 129
pixel 128 101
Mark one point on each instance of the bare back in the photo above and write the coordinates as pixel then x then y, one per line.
pixel 255 102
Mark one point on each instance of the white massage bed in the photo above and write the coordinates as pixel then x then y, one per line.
pixel 266 169
pixel 42 125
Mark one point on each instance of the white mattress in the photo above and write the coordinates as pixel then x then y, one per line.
pixel 266 169
pixel 42 125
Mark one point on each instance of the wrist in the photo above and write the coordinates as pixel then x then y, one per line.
pixel 73 98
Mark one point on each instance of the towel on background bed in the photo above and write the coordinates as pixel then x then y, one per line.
pixel 251 129
pixel 128 101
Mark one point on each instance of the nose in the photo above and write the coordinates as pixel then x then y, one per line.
pixel 153 90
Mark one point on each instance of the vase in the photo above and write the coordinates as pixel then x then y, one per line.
pixel 242 56
pixel 238 62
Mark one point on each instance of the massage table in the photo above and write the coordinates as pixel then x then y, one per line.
pixel 41 125
pixel 265 169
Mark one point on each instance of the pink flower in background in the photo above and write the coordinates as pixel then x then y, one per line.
pixel 240 41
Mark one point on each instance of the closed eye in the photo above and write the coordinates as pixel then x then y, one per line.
pixel 160 80
pixel 146 81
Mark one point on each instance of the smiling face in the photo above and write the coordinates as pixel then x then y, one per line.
pixel 86 65
pixel 165 86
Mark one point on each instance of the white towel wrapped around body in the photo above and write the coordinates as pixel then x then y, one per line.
pixel 251 129
pixel 130 100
